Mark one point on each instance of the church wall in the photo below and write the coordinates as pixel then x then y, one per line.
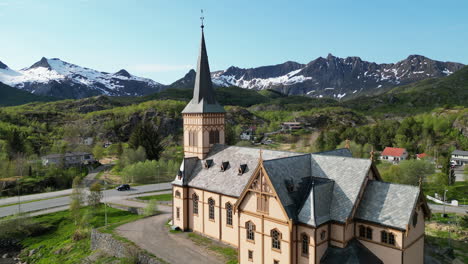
pixel 229 234
pixel 271 254
pixel 195 220
pixel 415 232
pixel 386 254
pixel 321 242
pixel 415 253
pixel 246 245
pixel 376 234
pixel 275 209
pixel 337 235
pixel 211 226
pixel 305 259
pixel 178 204
pixel 349 232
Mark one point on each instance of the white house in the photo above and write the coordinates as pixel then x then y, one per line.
pixel 394 155
pixel 459 157
pixel 68 159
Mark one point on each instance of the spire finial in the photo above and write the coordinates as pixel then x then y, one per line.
pixel 261 155
pixel 202 18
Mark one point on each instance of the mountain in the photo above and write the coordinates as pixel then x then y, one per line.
pixel 11 96
pixel 54 77
pixel 335 77
pixel 425 95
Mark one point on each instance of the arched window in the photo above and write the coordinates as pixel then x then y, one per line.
pixel 214 136
pixel 387 238
pixel 193 139
pixel 177 194
pixel 368 233
pixel 229 214
pixel 250 229
pixel 362 231
pixel 195 203
pixel 211 205
pixel 275 239
pixel 323 234
pixel 305 244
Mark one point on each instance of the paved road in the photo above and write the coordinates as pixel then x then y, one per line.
pixel 449 209
pixel 90 178
pixel 152 235
pixel 109 196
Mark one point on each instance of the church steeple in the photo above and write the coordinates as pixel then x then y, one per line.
pixel 203 117
pixel 203 100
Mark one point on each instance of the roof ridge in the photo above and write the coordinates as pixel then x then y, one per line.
pixel 319 154
pixel 394 183
pixel 306 154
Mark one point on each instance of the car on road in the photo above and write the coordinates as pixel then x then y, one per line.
pixel 123 187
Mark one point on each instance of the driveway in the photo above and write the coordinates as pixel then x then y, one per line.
pixel 152 235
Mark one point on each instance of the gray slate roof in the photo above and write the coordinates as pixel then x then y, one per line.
pixel 203 100
pixel 348 174
pixel 227 182
pixel 325 187
pixel 316 209
pixel 388 204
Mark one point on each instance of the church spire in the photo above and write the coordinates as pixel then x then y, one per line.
pixel 203 100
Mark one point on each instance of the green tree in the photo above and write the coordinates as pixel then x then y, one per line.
pixel 412 170
pixel 95 195
pixel 151 208
pixel 439 179
pixel 146 135
pixel 76 203
pixel 131 156
pixel 98 151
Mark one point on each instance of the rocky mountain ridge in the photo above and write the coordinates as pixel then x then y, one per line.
pixel 57 78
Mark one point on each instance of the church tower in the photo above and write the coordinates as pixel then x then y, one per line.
pixel 203 116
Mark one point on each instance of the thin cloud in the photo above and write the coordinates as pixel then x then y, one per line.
pixel 152 68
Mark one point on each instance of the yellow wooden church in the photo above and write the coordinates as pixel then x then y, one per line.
pixel 281 207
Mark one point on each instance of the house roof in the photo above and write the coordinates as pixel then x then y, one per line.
pixel 353 253
pixel 460 152
pixel 388 204
pixel 68 154
pixel 421 155
pixel 395 152
pixel 203 100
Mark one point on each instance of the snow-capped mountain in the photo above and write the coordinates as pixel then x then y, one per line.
pixel 54 77
pixel 335 77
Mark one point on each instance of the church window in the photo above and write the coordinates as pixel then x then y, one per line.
pixel 305 244
pixel 391 239
pixel 262 203
pixel 177 194
pixel 387 238
pixel 211 209
pixel 323 234
pixel 250 229
pixel 195 203
pixel 275 261
pixel 368 233
pixel 362 231
pixel 275 239
pixel 229 214
pixel 415 219
pixel 214 136
pixel 178 213
pixel 250 255
pixel 193 139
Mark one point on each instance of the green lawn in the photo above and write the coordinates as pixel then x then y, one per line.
pixel 458 191
pixel 56 244
pixel 158 197
pixel 227 252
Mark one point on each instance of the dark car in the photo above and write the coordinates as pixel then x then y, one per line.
pixel 123 187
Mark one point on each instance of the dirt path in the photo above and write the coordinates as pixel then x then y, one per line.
pixel 152 235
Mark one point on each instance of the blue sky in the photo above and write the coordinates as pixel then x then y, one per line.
pixel 160 39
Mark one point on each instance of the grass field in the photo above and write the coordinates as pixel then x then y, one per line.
pixel 57 246
pixel 158 197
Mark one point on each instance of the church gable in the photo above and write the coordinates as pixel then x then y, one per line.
pixel 260 196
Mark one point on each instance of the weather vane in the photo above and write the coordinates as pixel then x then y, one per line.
pixel 202 18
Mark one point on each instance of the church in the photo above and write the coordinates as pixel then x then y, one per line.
pixel 279 207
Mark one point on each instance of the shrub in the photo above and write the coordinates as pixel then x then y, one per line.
pixel 151 208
